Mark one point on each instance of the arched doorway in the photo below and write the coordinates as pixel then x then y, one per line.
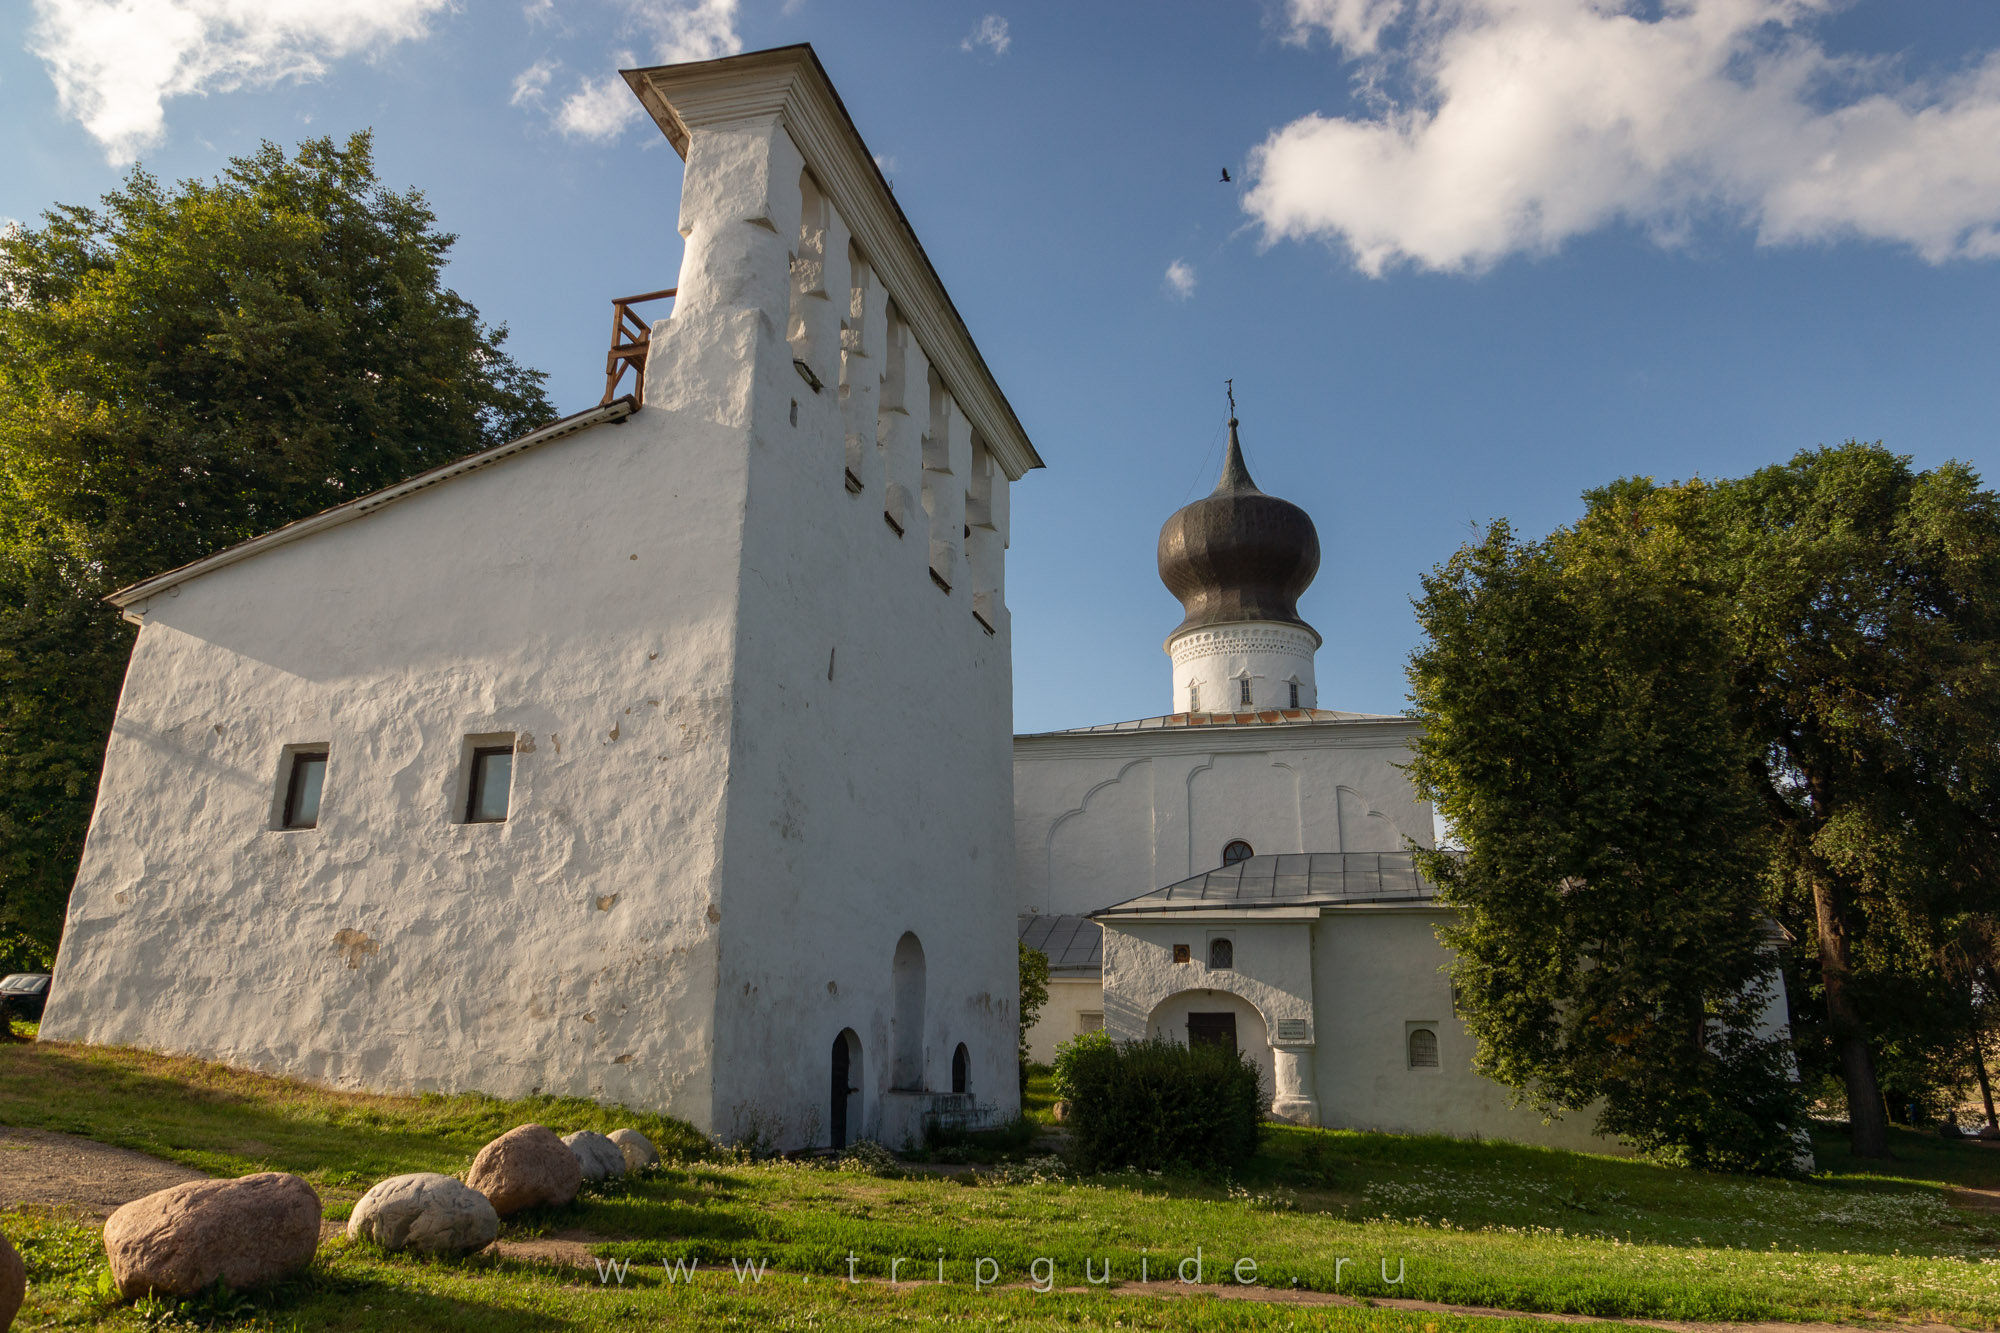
pixel 961 1070
pixel 906 1065
pixel 1220 1017
pixel 845 1092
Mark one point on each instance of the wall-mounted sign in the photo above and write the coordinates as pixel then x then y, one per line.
pixel 1291 1029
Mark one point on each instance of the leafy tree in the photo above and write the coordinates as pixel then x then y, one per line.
pixel 1611 948
pixel 1865 623
pixel 1836 618
pixel 181 369
pixel 1034 993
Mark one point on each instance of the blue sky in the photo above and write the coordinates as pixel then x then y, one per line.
pixel 1479 254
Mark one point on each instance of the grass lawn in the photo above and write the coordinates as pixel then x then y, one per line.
pixel 1465 1222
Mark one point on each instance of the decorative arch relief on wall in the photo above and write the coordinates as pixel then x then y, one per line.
pixel 1079 810
pixel 1363 828
pixel 1201 857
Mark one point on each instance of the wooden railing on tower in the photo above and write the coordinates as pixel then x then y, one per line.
pixel 630 338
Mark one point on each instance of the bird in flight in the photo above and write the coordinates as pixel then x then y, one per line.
pixel 1225 177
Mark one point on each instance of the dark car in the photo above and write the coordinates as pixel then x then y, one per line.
pixel 22 994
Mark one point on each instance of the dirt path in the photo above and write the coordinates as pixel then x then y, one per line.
pixel 573 1249
pixel 40 1167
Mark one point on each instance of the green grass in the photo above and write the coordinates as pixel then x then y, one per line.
pixel 231 1122
pixel 1469 1223
pixel 352 1287
pixel 1038 1102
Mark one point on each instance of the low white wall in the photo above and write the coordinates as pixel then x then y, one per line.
pixel 1376 972
pixel 1063 1016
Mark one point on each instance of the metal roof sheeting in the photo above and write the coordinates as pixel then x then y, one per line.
pixel 1072 943
pixel 1305 879
pixel 1269 717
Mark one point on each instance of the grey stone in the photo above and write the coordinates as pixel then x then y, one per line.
pixel 596 1156
pixel 425 1212
pixel 638 1149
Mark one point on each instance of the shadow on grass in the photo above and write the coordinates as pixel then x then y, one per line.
pixel 228 1121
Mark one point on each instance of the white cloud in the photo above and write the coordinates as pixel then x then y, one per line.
pixel 1180 280
pixel 116 62
pixel 599 109
pixel 532 83
pixel 539 13
pixel 991 33
pixel 689 29
pixel 1527 122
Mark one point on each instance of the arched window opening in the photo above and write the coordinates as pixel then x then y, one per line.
pixel 1237 851
pixel 845 1109
pixel 1423 1048
pixel 961 1070
pixel 1221 955
pixel 907 974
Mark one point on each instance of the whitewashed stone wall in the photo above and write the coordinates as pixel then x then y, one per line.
pixel 1103 817
pixel 1213 665
pixel 757 740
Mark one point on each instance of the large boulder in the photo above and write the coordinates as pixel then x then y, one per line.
pixel 638 1149
pixel 13 1284
pixel 425 1212
pixel 596 1156
pixel 179 1241
pixel 527 1167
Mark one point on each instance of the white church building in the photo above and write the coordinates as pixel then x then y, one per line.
pixel 663 755
pixel 1238 869
pixel 659 756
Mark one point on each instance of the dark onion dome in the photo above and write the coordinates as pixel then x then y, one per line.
pixel 1238 554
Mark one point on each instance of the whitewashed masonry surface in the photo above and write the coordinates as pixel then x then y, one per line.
pixel 747 649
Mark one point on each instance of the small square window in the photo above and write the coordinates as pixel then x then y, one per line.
pixel 492 781
pixel 303 782
pixel 1089 1021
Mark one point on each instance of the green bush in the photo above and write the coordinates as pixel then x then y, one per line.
pixel 1157 1105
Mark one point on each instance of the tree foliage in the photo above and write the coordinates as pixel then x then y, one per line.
pixel 1865 614
pixel 182 368
pixel 1611 946
pixel 1034 992
pixel 1787 682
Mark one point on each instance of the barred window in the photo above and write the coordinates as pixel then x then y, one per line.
pixel 1423 1048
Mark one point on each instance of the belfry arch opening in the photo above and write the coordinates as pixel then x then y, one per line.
pixel 906 1066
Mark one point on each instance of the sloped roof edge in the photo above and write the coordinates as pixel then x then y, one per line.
pixel 126 597
pixel 790 81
